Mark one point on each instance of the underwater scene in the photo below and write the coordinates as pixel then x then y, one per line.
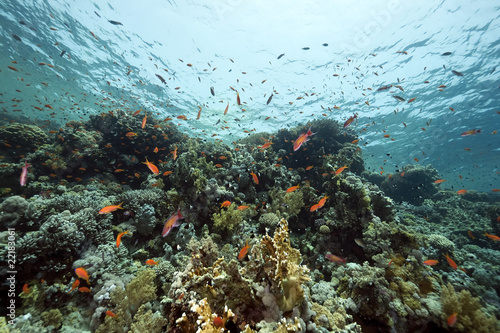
pixel 249 166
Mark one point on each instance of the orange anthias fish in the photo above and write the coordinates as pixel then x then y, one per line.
pixel 218 322
pixel 339 170
pixel 84 290
pixel 226 203
pixel 470 132
pixel 151 262
pixel 430 262
pixel 254 177
pixel 109 209
pixel 244 251
pixel 144 121
pixel 152 167
pixel 74 285
pixel 82 274
pixel 293 188
pixel 492 237
pixel 119 237
pixel 350 120
pixel 26 289
pixel 452 319
pixel 175 153
pixel 304 137
pixel 334 258
pixel 238 101
pixel 461 191
pixel 452 263
pixel 242 207
pixel 172 221
pixel 227 108
pixel 320 204
pixel 110 314
pixel 439 181
pixel 471 235
pixel 265 145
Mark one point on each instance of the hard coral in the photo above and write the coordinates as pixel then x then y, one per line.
pixel 471 316
pixel 286 270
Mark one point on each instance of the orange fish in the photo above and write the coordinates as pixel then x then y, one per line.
pixel 339 170
pixel 166 173
pixel 109 209
pixel 151 262
pixel 152 167
pixel 322 201
pixel 492 237
pixel 172 221
pixel 293 188
pixel 495 190
pixel 265 145
pixel 155 150
pixel 452 263
pixel 218 322
pixel 255 179
pixel 130 134
pixel 242 207
pixel 439 181
pixel 354 141
pixel 175 153
pixel 244 251
pixel 82 274
pixel 144 121
pixel 74 285
pixel 110 314
pixel 119 237
pixel 309 168
pixel 199 113
pixel 452 319
pixel 471 235
pixel 84 290
pixel 137 112
pixel 304 137
pixel 430 262
pixel 225 203
pixel 350 120
pixel 470 132
pixel 320 204
pixel 238 101
pixel 227 108
pixel 334 258
pixel 461 191
pixel 412 99
pixel 26 289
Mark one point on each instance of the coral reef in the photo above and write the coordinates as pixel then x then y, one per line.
pixel 258 264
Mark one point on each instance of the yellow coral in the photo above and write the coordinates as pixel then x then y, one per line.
pixel 286 270
pixel 227 219
pixel 471 317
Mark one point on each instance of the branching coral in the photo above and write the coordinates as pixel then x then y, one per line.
pixel 206 322
pixel 471 317
pixel 286 270
pixel 227 219
pixel 137 293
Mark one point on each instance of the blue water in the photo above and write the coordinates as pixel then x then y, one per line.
pixel 353 51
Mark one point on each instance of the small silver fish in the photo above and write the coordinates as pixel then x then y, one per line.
pixel 359 242
pixel 399 98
